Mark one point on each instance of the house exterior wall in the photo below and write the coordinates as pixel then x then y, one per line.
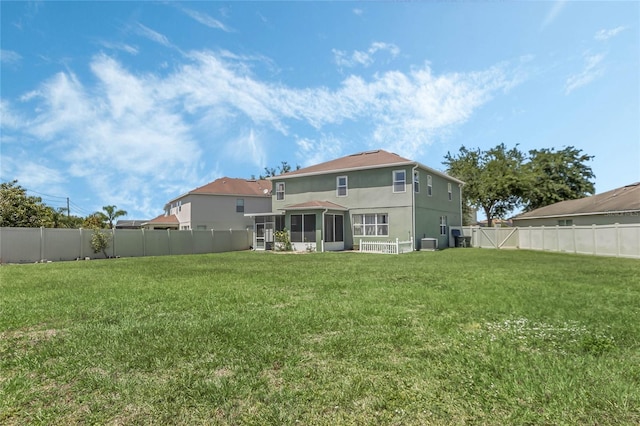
pixel 430 208
pixel 371 191
pixel 208 211
pixel 583 220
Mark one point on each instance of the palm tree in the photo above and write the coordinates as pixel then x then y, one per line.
pixel 110 214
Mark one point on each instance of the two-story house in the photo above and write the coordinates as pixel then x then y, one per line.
pixel 219 205
pixel 369 196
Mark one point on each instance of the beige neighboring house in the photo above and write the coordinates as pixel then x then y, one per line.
pixel 621 205
pixel 218 205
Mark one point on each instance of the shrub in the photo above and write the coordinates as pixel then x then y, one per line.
pixel 100 241
pixel 283 242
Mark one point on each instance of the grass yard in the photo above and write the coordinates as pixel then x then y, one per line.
pixel 466 336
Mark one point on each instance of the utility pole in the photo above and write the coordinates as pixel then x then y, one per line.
pixel 68 211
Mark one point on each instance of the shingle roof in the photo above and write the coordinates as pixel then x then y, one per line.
pixel 162 219
pixel 234 186
pixel 315 205
pixel 361 160
pixel 626 198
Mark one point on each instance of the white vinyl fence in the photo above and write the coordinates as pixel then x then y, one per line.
pixel 600 240
pixel 386 247
pixel 29 245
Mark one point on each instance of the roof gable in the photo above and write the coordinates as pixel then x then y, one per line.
pixel 626 198
pixel 234 186
pixel 164 219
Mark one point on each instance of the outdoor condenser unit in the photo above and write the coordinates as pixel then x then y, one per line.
pixel 429 244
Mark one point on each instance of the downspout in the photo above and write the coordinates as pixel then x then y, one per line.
pixel 413 207
pixel 322 240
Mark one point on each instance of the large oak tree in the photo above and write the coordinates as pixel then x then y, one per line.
pixel 493 178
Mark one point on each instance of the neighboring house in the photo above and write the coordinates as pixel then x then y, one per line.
pixel 220 205
pixel 130 224
pixel 621 205
pixel 497 223
pixel 369 196
pixel 163 221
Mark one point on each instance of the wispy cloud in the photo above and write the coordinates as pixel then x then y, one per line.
pixel 9 57
pixel 124 47
pixel 312 151
pixel 205 19
pixel 358 11
pixel 553 13
pixel 147 134
pixel 153 35
pixel 592 69
pixel 604 35
pixel 364 58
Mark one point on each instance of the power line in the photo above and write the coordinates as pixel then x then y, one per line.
pixel 56 201
pixel 45 195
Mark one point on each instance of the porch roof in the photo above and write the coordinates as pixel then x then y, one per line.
pixel 316 204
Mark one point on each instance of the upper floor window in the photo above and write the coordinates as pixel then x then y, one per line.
pixel 449 191
pixel 341 186
pixel 416 181
pixel 429 186
pixel 280 191
pixel 399 180
pixel 565 222
pixel 240 205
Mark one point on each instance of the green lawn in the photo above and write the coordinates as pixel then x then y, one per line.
pixel 461 336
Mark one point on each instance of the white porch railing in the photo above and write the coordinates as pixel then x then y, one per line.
pixel 386 247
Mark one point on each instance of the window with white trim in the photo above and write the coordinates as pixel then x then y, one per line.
pixel 341 186
pixel 429 186
pixel 565 222
pixel 239 205
pixel 399 181
pixel 280 191
pixel 450 191
pixel 416 181
pixel 443 225
pixel 370 225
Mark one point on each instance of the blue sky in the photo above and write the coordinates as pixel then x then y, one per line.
pixel 135 103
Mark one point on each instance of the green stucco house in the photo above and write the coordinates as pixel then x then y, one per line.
pixel 369 196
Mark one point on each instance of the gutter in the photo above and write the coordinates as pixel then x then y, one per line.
pixel 377 166
pixel 413 207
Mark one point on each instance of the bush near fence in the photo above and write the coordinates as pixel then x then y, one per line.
pixel 29 245
pixel 619 240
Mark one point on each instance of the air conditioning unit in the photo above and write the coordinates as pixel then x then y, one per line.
pixel 429 244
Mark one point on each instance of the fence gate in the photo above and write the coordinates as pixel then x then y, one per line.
pixel 496 237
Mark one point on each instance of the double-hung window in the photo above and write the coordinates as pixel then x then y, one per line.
pixel 416 181
pixel 239 205
pixel 280 191
pixel 429 186
pixel 450 191
pixel 341 186
pixel 371 225
pixel 399 180
pixel 443 225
